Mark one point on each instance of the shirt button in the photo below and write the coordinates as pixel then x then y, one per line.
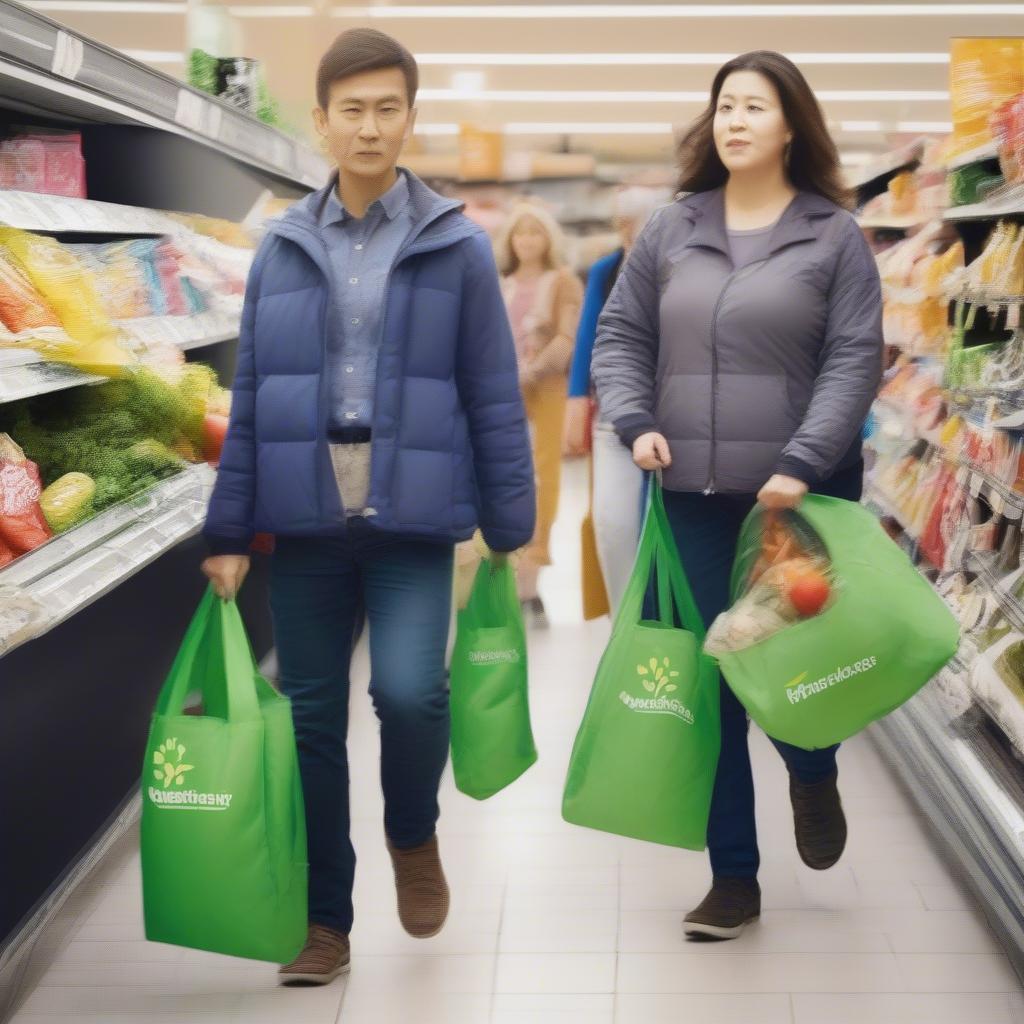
pixel 359 247
pixel 351 415
pixel 349 369
pixel 355 321
pixel 353 280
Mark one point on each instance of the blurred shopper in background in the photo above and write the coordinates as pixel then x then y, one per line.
pixel 739 353
pixel 618 483
pixel 543 297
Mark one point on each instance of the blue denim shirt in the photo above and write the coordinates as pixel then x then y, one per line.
pixel 362 254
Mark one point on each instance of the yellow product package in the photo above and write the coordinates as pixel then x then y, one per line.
pixel 71 292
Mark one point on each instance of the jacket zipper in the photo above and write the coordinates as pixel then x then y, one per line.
pixel 734 276
pixel 293 233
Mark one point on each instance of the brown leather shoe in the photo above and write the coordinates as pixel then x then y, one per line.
pixel 325 956
pixel 423 895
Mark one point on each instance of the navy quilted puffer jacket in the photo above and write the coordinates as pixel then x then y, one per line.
pixel 451 449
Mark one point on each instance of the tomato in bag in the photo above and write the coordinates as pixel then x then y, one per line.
pixel 22 523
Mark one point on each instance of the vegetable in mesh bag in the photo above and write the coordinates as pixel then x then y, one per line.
pixel 22 308
pixel 790 580
pixel 22 525
pixel 68 501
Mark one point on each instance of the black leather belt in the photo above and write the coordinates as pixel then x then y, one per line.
pixel 350 435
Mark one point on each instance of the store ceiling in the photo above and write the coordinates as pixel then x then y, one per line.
pixel 609 79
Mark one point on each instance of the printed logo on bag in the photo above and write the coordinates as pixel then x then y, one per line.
pixel 170 770
pixel 657 677
pixel 509 657
pixel 798 690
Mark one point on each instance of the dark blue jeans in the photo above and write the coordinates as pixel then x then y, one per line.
pixel 706 531
pixel 319 587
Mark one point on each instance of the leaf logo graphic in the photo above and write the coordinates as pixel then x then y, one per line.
pixel 169 768
pixel 656 676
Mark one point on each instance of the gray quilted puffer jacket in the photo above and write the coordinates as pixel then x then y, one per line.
pixel 768 369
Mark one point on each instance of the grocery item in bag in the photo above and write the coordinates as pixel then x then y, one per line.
pixel 880 635
pixel 223 826
pixel 22 308
pixel 68 501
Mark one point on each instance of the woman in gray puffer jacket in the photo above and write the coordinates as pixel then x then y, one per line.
pixel 739 353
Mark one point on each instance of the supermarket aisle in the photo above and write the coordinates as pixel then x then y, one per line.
pixel 556 924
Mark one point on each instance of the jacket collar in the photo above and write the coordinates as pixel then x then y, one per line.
pixel 391 203
pixel 800 222
pixel 436 221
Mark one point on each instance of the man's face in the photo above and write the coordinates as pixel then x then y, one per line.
pixel 367 121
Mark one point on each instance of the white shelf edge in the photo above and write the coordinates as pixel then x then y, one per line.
pixel 201 475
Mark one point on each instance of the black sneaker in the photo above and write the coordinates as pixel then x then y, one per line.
pixel 818 821
pixel 732 904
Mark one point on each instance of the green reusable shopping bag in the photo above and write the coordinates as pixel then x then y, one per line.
pixel 885 635
pixel 492 741
pixel 223 823
pixel 646 753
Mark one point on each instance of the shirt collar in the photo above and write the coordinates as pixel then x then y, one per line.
pixel 392 202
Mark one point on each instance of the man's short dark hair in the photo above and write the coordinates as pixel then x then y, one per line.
pixel 364 49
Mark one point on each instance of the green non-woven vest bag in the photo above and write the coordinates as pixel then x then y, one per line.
pixel 492 740
pixel 885 634
pixel 223 822
pixel 646 754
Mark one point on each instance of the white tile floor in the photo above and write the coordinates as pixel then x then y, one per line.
pixel 556 925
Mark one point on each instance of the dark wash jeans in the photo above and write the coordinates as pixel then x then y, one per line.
pixel 319 587
pixel 706 531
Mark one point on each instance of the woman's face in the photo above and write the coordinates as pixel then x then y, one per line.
pixel 530 241
pixel 750 128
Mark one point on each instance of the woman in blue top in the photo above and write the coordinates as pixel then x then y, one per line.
pixel 618 482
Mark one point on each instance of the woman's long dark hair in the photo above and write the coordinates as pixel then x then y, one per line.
pixel 813 159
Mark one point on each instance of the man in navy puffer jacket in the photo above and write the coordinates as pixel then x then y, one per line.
pixel 376 421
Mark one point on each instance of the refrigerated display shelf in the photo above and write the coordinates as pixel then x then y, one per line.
pixel 1010 606
pixel 991 209
pixel 31 211
pixel 45 67
pixel 26 374
pixel 45 587
pixel 969 786
pixel 988 151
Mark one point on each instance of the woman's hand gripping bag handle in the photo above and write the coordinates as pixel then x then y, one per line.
pixel 645 757
pixel 814 664
pixel 492 739
pixel 223 828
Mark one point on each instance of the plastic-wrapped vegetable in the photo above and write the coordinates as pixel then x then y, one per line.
pixel 68 501
pixel 22 308
pixel 790 580
pixel 22 525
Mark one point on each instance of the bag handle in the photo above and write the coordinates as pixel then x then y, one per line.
pixel 214 653
pixel 494 589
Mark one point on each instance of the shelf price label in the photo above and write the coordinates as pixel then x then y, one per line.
pixel 191 113
pixel 68 56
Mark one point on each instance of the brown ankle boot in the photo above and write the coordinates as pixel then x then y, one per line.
pixel 423 896
pixel 325 956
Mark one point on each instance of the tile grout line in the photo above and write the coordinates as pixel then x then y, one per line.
pixel 492 1008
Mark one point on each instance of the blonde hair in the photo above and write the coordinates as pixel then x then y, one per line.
pixel 503 252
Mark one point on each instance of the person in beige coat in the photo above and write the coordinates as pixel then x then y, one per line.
pixel 543 298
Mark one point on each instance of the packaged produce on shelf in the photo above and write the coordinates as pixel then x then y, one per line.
pixel 101 445
pixel 93 342
pixel 998 273
pixel 68 501
pixel 1008 123
pixel 790 581
pixel 236 80
pixel 22 524
pixel 48 162
pixel 985 75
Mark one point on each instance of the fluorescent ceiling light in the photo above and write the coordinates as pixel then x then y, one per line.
pixel 255 11
pixel 106 7
pixel 156 56
pixel 632 11
pixel 711 60
pixel 560 128
pixel 922 127
pixel 656 96
pixel 856 159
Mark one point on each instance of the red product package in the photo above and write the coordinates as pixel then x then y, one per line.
pixel 22 523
